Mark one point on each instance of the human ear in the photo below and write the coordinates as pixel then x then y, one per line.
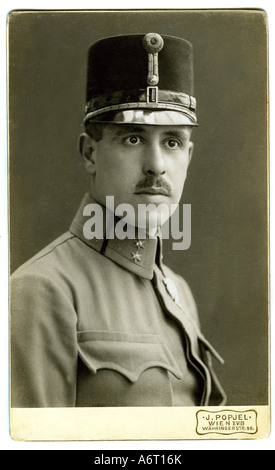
pixel 190 151
pixel 87 149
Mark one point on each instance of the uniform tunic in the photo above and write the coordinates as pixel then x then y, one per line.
pixel 92 324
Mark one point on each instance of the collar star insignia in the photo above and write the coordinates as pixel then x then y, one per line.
pixel 139 244
pixel 136 257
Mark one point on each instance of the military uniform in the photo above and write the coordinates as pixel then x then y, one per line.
pixel 101 329
pixel 103 322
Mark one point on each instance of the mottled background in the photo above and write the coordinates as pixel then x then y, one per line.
pixel 226 266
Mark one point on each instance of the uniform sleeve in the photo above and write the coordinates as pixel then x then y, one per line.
pixel 43 344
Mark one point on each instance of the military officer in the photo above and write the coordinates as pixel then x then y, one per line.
pixel 101 321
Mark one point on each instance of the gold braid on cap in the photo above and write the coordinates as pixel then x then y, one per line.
pixel 153 43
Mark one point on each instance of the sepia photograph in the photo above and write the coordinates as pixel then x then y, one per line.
pixel 138 153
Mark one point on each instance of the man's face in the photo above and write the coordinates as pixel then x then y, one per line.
pixel 139 164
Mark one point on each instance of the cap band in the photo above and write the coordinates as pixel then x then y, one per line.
pixel 165 100
pixel 147 117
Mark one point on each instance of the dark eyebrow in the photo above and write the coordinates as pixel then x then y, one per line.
pixel 178 134
pixel 125 129
pixel 119 130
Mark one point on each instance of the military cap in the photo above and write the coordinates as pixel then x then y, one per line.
pixel 141 79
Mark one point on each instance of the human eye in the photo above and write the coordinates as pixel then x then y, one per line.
pixel 173 144
pixel 133 140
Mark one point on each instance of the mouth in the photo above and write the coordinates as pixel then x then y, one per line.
pixel 153 190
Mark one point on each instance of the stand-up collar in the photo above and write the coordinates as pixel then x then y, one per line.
pixel 135 254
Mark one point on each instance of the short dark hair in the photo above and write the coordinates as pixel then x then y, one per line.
pixel 95 128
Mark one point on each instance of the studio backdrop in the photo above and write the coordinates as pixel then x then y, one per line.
pixel 226 264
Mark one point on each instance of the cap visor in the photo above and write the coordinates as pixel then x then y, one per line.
pixel 148 117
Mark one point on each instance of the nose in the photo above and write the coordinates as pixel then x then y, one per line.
pixel 154 160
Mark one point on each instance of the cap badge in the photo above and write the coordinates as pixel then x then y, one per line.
pixel 152 43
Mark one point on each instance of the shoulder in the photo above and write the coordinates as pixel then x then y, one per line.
pixel 48 255
pixel 63 259
pixel 49 269
pixel 39 290
pixel 63 268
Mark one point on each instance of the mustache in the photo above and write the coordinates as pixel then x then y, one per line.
pixel 152 181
